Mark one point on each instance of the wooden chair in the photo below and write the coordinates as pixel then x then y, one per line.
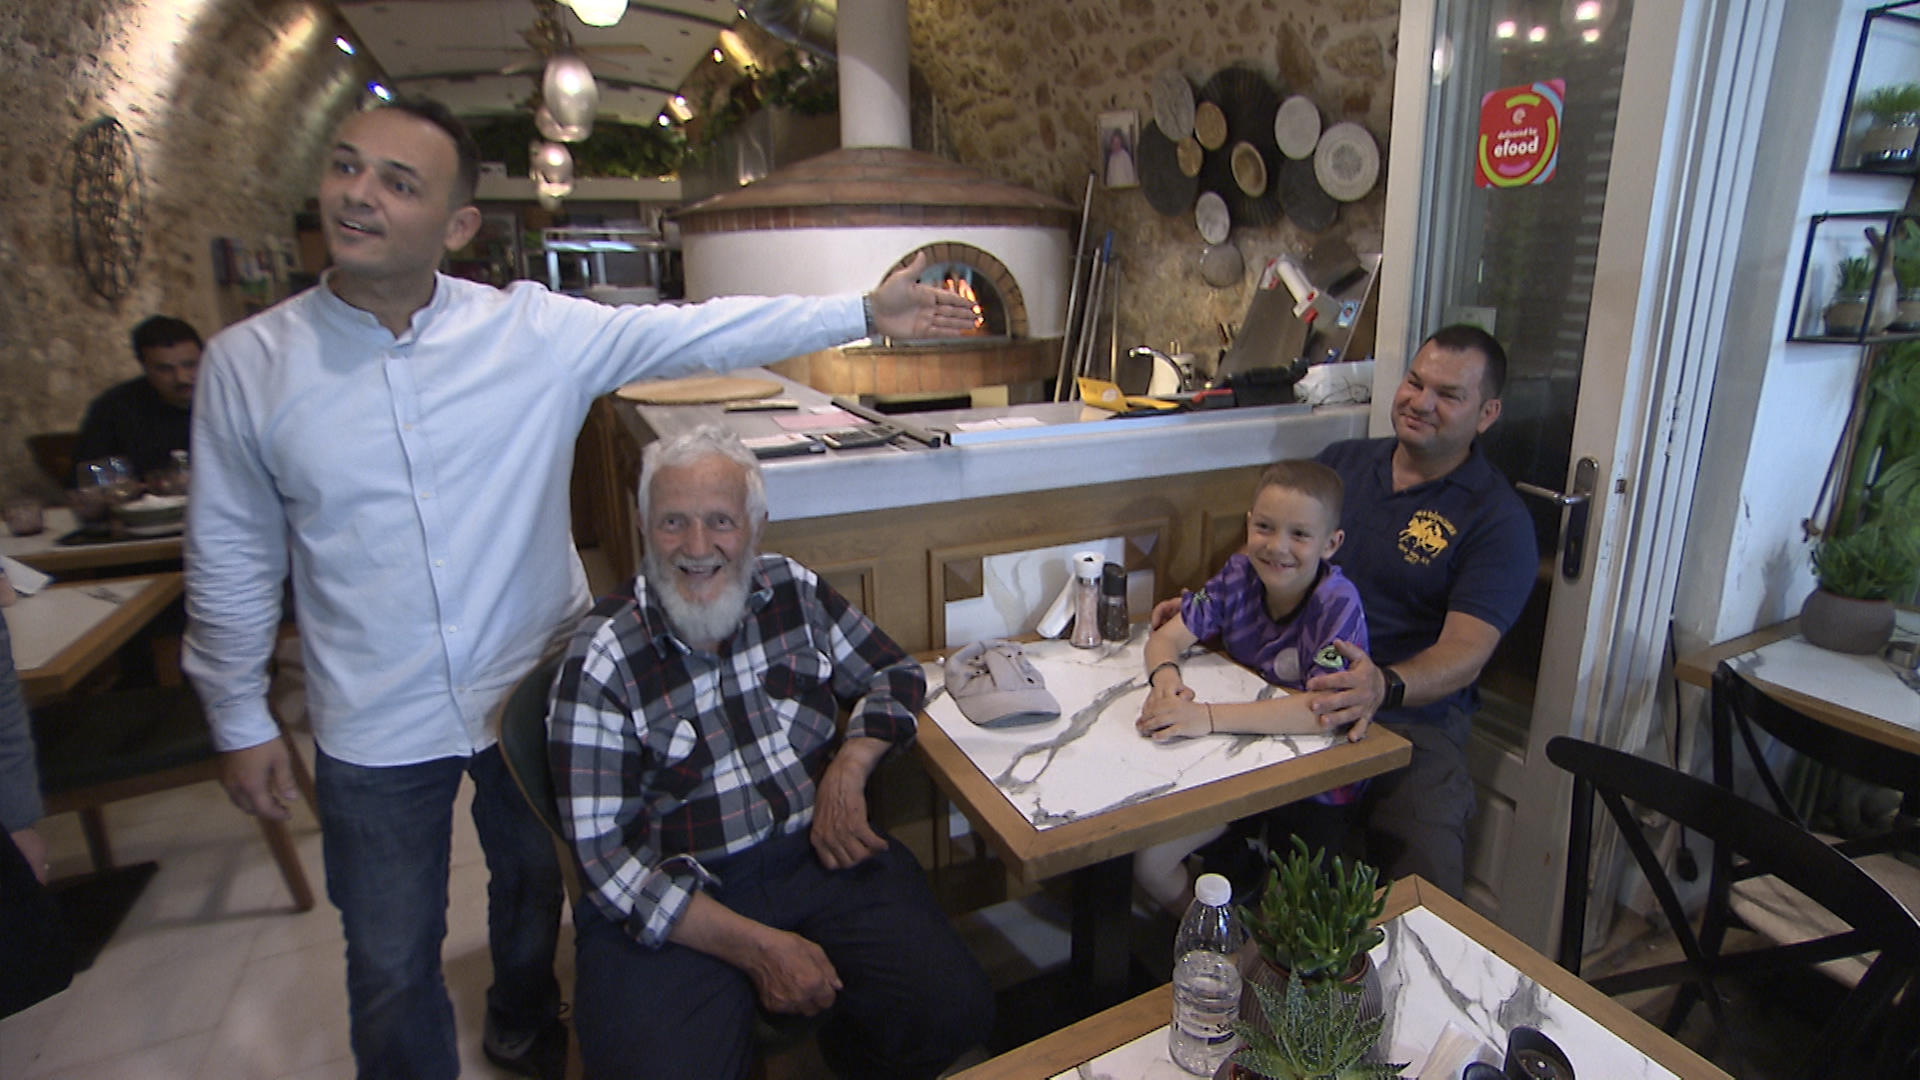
pixel 53 452
pixel 102 748
pixel 1873 919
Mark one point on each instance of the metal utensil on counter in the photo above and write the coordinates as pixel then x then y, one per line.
pixel 1073 295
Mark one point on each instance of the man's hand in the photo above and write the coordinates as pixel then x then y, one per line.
pixel 259 779
pixel 1351 696
pixel 34 847
pixel 1163 612
pixel 841 835
pixel 904 308
pixel 793 975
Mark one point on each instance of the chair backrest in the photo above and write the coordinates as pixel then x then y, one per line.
pixel 523 742
pixel 1736 827
pixel 1770 844
pixel 1742 705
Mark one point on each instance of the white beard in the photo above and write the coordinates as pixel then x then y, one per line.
pixel 696 623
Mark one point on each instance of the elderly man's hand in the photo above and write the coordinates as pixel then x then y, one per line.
pixel 841 836
pixel 1352 696
pixel 904 308
pixel 793 975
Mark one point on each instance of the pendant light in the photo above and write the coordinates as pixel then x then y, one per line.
pixel 555 130
pixel 599 12
pixel 569 91
pixel 552 167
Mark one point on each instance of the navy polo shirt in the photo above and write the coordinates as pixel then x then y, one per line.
pixel 1460 543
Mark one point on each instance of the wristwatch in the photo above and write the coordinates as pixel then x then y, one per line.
pixel 1396 689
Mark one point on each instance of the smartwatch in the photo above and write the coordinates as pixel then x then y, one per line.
pixel 1396 689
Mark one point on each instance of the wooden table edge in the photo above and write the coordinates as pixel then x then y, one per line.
pixel 66 668
pixel 104 556
pixel 1051 1055
pixel 1038 854
pixel 1697 668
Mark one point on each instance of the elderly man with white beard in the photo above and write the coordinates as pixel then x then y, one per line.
pixel 719 819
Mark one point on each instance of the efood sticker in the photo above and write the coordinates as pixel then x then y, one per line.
pixel 1519 135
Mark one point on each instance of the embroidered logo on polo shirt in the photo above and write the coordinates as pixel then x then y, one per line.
pixel 1425 537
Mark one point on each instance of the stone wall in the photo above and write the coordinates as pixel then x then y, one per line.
pixel 228 103
pixel 1018 87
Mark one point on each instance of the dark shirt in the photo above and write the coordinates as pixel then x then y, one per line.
pixel 132 421
pixel 1461 543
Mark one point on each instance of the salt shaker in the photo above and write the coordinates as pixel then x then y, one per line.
pixel 1086 600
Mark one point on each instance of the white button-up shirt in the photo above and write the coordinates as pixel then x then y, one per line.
pixel 418 486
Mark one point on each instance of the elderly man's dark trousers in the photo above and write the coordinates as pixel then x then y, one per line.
pixel 914 998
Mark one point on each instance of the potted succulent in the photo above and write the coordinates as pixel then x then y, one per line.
pixel 1904 253
pixel 1893 113
pixel 1846 313
pixel 1315 923
pixel 1850 611
pixel 1312 1031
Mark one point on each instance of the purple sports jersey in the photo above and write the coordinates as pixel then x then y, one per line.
pixel 1231 609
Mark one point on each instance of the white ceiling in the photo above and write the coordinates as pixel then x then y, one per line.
pixel 471 55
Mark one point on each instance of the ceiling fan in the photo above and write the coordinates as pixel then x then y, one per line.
pixel 548 37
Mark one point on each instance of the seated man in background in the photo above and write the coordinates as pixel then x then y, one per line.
pixel 146 419
pixel 720 821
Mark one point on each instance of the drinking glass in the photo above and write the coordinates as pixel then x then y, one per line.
pixel 92 494
pixel 24 518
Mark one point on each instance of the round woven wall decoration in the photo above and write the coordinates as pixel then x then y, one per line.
pixel 109 207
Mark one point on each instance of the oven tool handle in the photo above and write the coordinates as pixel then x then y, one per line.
pixel 923 436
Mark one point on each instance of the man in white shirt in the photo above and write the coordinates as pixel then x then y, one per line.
pixel 401 441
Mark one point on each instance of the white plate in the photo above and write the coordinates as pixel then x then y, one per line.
pixel 1296 127
pixel 147 532
pixel 1210 213
pixel 1347 161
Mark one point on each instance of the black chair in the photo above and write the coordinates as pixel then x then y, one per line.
pixel 1770 845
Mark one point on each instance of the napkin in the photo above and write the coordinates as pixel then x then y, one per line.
pixel 25 579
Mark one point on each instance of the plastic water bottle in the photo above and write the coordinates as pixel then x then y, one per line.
pixel 1206 979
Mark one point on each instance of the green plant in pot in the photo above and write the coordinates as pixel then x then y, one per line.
pixel 1904 255
pixel 1893 120
pixel 1850 612
pixel 1315 923
pixel 1847 312
pixel 1312 1031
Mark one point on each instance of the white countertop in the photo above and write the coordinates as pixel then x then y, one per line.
pixel 1074 445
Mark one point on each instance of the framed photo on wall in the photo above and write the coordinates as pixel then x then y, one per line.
pixel 1119 139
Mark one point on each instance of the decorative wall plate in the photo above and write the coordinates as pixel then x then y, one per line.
pixel 1347 161
pixel 1173 104
pixel 1210 213
pixel 1297 127
pixel 109 207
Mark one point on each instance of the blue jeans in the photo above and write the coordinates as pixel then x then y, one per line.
pixel 388 837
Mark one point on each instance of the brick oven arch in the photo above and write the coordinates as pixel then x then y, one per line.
pixel 995 272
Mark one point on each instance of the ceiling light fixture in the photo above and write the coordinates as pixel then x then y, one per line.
pixel 379 91
pixel 569 91
pixel 557 131
pixel 343 45
pixel 599 12
pixel 677 105
pixel 551 169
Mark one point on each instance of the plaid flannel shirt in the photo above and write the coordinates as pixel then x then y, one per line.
pixel 663 756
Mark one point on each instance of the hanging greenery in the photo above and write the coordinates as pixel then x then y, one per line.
pixel 795 86
pixel 634 151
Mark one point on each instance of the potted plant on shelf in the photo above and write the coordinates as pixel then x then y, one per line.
pixel 1893 113
pixel 1315 923
pixel 1846 313
pixel 1312 1031
pixel 1903 252
pixel 1850 611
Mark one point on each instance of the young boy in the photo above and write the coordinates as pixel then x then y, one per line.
pixel 1277 607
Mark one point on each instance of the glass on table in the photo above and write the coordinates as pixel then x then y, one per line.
pixel 23 517
pixel 171 479
pixel 96 489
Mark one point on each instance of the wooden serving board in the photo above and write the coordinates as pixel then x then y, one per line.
pixel 698 390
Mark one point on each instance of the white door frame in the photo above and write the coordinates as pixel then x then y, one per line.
pixel 1695 72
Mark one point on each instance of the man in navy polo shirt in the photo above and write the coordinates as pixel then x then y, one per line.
pixel 1443 554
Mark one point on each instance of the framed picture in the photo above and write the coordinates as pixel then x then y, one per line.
pixel 1119 138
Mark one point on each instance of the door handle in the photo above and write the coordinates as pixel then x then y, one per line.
pixel 1578 504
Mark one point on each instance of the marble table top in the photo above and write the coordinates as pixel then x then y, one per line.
pixel 1091 760
pixel 1865 684
pixel 1435 974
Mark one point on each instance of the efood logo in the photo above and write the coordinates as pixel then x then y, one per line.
pixel 1425 537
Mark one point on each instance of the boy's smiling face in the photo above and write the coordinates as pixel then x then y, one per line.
pixel 1289 533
